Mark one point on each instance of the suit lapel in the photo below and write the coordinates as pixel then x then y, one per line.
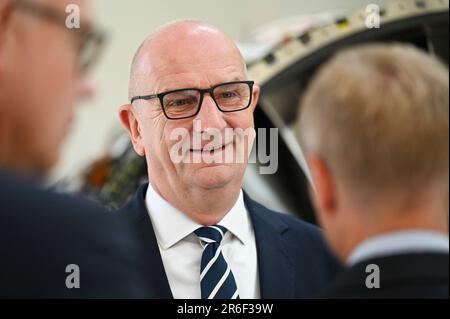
pixel 275 265
pixel 148 246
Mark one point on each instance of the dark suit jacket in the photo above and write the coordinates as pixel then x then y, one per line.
pixel 292 257
pixel 419 275
pixel 41 233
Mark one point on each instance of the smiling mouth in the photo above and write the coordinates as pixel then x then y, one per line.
pixel 210 150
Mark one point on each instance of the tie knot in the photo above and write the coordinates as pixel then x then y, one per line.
pixel 211 234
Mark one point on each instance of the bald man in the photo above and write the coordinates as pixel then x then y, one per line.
pixel 189 87
pixel 52 246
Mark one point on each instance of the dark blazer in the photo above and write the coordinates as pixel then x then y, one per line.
pixel 41 233
pixel 292 257
pixel 418 275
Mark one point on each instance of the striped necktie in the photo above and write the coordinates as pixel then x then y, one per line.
pixel 216 278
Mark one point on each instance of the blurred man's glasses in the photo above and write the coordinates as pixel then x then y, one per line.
pixel 91 41
pixel 186 103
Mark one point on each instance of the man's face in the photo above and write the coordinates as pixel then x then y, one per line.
pixel 43 82
pixel 203 65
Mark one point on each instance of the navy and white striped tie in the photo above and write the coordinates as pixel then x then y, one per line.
pixel 216 278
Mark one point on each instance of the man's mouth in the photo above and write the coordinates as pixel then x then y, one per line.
pixel 211 150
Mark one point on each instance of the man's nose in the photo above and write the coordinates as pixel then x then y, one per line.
pixel 210 115
pixel 86 88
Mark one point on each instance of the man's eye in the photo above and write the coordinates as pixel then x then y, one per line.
pixel 181 102
pixel 228 95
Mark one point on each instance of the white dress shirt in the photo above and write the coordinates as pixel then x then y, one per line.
pixel 181 250
pixel 410 241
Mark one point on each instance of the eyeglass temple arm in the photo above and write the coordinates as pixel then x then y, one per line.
pixel 144 97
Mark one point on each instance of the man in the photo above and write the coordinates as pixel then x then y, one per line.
pixel 377 147
pixel 208 239
pixel 52 246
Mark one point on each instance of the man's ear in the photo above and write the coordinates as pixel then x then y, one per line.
pixel 131 123
pixel 6 7
pixel 324 194
pixel 255 97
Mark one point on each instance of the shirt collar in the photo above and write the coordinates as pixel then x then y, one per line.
pixel 411 241
pixel 171 225
pixel 237 221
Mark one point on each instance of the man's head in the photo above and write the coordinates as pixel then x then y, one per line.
pixel 40 80
pixel 374 125
pixel 179 55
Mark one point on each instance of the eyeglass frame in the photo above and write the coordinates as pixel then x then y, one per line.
pixel 52 15
pixel 202 92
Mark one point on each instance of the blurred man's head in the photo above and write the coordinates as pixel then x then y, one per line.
pixel 375 128
pixel 40 80
pixel 181 55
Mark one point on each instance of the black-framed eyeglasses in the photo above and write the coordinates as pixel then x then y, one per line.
pixel 186 103
pixel 91 40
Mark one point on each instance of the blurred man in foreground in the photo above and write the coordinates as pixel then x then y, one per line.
pixel 375 128
pixel 51 245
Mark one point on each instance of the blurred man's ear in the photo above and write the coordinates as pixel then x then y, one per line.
pixel 5 15
pixel 324 194
pixel 129 120
pixel 6 7
pixel 86 87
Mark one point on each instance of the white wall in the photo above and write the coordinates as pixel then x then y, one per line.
pixel 129 22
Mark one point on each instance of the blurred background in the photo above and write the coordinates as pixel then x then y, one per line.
pixel 283 42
